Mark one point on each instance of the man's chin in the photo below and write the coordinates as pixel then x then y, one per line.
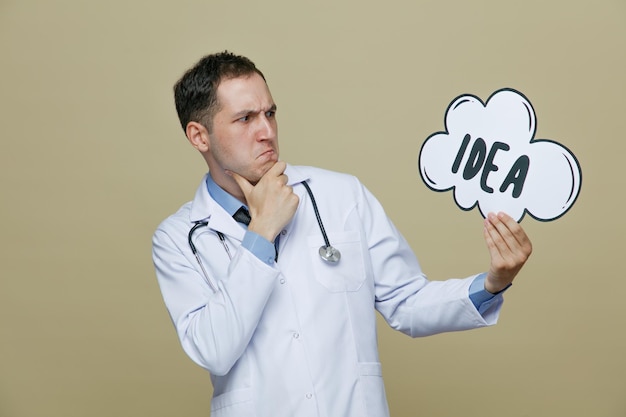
pixel 266 167
pixel 254 176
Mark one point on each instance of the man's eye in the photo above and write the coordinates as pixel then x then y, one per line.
pixel 270 113
pixel 244 118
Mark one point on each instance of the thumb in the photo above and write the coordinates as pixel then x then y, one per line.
pixel 243 183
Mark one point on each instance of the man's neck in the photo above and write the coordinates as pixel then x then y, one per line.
pixel 229 202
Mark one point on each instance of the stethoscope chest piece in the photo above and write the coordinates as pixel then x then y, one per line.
pixel 327 252
pixel 330 254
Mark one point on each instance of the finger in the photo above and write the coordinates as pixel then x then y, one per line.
pixel 276 172
pixel 517 231
pixel 277 169
pixel 243 183
pixel 283 179
pixel 505 246
pixel 509 237
pixel 506 227
pixel 513 233
pixel 523 247
pixel 493 239
pixel 503 262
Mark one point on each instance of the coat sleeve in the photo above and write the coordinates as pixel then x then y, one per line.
pixel 407 300
pixel 214 327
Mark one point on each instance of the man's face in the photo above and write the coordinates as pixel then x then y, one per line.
pixel 244 137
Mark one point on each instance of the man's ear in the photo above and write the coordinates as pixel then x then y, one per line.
pixel 198 136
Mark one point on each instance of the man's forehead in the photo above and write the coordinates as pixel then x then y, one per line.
pixel 245 90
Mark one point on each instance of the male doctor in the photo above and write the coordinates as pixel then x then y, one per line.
pixel 283 331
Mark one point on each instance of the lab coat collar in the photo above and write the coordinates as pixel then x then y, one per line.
pixel 295 175
pixel 204 208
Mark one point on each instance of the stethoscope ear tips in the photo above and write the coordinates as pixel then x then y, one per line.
pixel 330 254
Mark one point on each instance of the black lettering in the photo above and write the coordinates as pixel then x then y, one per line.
pixel 517 176
pixel 459 156
pixel 475 160
pixel 489 165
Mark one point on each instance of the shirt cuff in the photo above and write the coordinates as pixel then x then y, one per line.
pixel 260 247
pixel 479 296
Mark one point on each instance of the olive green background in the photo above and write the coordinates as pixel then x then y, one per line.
pixel 92 159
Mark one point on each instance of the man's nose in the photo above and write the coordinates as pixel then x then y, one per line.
pixel 267 128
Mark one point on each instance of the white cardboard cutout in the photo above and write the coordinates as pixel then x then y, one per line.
pixel 489 157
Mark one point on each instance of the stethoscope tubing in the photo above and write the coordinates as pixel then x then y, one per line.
pixel 317 213
pixel 327 252
pixel 196 226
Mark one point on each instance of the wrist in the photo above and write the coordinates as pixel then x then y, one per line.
pixel 267 232
pixel 494 286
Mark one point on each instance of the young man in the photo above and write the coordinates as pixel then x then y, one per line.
pixel 278 303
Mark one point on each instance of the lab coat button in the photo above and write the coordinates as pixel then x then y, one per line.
pixel 284 232
pixel 296 335
pixel 309 396
pixel 282 280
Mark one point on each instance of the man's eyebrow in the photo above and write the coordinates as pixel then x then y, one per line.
pixel 250 111
pixel 243 113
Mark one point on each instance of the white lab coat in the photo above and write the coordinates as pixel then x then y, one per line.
pixel 299 338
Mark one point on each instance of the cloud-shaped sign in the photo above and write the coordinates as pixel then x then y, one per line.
pixel 489 157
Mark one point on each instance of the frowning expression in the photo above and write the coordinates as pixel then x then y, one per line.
pixel 244 136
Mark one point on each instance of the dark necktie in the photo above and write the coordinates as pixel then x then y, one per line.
pixel 242 215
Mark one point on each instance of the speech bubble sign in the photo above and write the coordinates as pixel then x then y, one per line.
pixel 489 157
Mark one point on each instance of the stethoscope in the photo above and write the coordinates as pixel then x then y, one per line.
pixel 327 252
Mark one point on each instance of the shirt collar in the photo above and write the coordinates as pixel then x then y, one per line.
pixel 221 197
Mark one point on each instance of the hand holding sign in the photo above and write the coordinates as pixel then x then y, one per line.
pixel 489 157
pixel 509 248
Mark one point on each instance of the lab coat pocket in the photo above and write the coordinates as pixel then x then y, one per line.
pixel 373 389
pixel 346 275
pixel 236 403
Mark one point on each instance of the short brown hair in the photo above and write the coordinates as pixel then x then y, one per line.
pixel 195 94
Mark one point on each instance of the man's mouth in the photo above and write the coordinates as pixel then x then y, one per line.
pixel 267 153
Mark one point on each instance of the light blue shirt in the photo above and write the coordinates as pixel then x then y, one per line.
pixel 266 251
